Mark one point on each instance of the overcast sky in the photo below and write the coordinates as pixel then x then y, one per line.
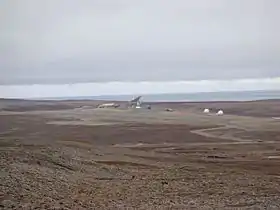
pixel 70 41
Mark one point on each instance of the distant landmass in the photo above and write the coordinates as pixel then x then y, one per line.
pixel 188 97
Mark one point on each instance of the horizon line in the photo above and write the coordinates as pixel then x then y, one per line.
pixel 137 88
pixel 142 81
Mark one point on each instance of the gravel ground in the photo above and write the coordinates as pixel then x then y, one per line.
pixel 158 161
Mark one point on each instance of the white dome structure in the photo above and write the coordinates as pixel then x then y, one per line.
pixel 220 112
pixel 206 111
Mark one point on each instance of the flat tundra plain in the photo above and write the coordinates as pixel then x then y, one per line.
pixel 71 155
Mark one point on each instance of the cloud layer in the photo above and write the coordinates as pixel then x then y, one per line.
pixel 135 88
pixel 69 41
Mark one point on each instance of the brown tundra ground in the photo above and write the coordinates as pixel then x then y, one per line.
pixel 70 155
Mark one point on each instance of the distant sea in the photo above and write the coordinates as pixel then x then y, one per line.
pixel 188 97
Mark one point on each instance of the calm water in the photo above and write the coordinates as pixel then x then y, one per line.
pixel 213 96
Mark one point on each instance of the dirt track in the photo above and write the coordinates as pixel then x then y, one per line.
pixel 76 158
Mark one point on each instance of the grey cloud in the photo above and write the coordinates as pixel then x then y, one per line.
pixel 68 41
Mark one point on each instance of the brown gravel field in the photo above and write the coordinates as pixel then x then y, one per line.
pixel 71 155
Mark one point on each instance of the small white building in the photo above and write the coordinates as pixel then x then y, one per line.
pixel 206 111
pixel 220 112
